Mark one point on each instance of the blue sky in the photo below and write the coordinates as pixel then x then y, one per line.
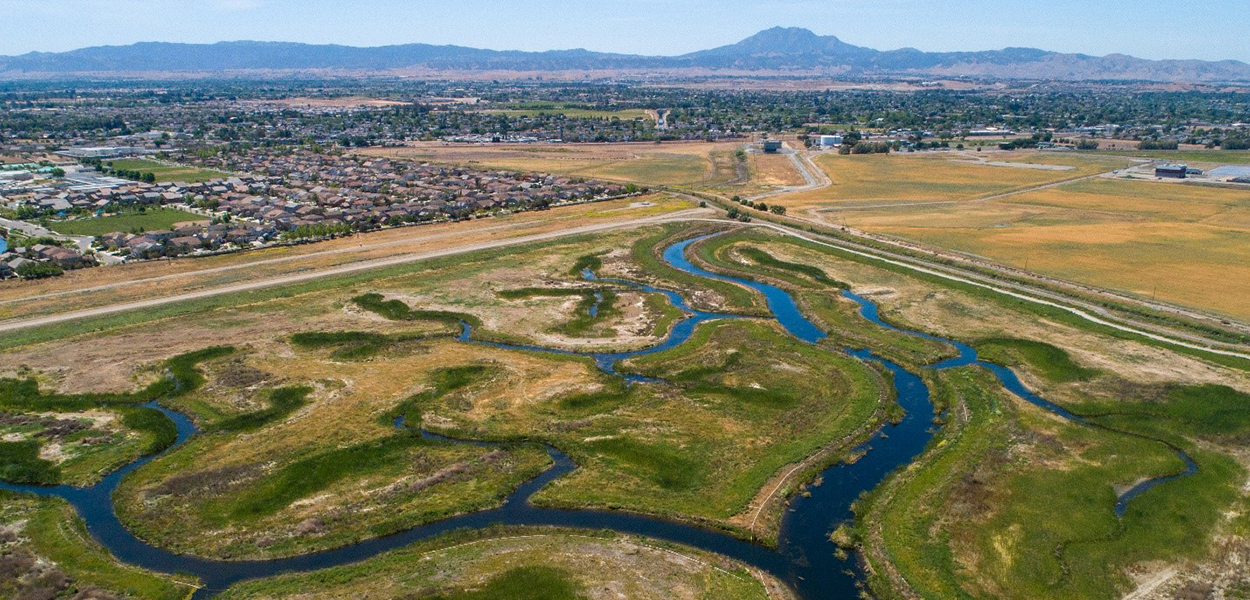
pixel 1207 29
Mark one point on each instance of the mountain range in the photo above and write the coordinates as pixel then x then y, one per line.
pixel 779 50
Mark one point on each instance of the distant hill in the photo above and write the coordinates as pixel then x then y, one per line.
pixel 790 50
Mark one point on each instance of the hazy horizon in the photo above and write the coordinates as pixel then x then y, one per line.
pixel 1211 31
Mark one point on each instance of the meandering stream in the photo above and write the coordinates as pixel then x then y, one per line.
pixel 804 557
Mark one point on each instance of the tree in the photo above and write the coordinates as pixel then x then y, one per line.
pixel 1086 144
pixel 57 172
pixel 777 209
pixel 38 270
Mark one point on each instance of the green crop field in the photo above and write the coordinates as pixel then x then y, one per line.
pixel 167 173
pixel 153 219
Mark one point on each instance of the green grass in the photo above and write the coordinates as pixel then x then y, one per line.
pixel 589 261
pixel 628 114
pixel 167 173
pixel 282 402
pixel 20 463
pixel 967 499
pixel 396 310
pixel 176 502
pixel 307 476
pixel 180 378
pixel 653 169
pixel 781 398
pixel 667 314
pixel 508 563
pixel 662 464
pixel 766 260
pixel 818 296
pixel 158 431
pixel 310 475
pixel 737 298
pixel 583 323
pixel 442 381
pixel 1211 412
pixel 357 345
pixel 523 583
pixel 152 219
pixel 1050 362
pixel 907 506
pixel 55 533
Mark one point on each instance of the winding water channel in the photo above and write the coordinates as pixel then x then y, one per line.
pixel 804 556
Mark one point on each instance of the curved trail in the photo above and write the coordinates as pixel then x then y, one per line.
pixel 804 557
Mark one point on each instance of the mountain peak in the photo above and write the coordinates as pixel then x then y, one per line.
pixel 788 40
pixel 777 49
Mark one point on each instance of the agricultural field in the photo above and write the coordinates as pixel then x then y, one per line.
pixel 153 219
pixel 668 163
pixel 939 177
pixel 166 173
pixel 1184 244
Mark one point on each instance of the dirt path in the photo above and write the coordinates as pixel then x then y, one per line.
pixel 814 178
pixel 1148 585
pixel 16 324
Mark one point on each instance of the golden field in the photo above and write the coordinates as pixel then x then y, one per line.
pixel 1181 243
pixel 668 163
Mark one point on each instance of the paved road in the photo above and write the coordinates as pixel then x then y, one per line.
pixel 83 242
pixel 268 261
pixel 15 324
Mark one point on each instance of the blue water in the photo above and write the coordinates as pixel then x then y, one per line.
pixel 804 557
pixel 4 245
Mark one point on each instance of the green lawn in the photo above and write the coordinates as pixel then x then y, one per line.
pixel 166 173
pixel 150 220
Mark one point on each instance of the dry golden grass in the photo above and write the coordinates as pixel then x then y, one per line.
pixel 367 246
pixel 669 163
pixel 917 305
pixel 774 170
pixel 937 177
pixel 1180 243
